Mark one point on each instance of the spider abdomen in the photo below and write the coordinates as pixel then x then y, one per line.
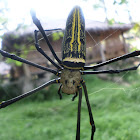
pixel 74 49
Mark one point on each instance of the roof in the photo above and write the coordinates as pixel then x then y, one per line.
pixel 98 27
pixel 95 27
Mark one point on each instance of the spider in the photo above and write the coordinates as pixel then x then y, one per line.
pixel 70 69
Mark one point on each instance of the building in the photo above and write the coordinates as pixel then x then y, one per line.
pixel 103 42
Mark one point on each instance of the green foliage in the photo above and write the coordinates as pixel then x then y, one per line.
pixel 1 58
pixel 134 40
pixel 3 18
pixel 111 21
pixel 9 91
pixel 136 29
pixel 3 22
pixel 57 35
pixel 120 2
pixel 10 61
pixel 22 51
pixel 96 6
pixel 21 25
pixel 115 108
pixel 14 90
pixel 44 94
pixel 99 4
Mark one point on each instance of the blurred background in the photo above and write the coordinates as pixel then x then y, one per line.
pixel 112 30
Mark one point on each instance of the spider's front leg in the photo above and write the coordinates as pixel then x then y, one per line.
pixel 129 55
pixel 39 49
pixel 39 26
pixel 17 58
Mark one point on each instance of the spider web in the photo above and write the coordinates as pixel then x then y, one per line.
pixel 96 44
pixel 68 102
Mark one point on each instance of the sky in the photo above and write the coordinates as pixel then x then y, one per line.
pixel 19 10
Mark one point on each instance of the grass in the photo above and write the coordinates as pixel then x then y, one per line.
pixel 115 107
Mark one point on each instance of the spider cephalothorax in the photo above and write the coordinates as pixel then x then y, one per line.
pixel 70 80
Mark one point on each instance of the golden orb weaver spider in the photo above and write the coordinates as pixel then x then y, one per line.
pixel 72 66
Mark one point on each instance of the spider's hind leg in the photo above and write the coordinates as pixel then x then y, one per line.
pixel 79 113
pixel 13 100
pixel 93 129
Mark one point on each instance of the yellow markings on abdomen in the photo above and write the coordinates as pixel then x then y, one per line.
pixel 76 17
pixel 79 29
pixel 73 28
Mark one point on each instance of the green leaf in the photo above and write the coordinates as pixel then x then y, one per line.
pixel 111 21
pixel 96 6
pixel 18 63
pixel 61 34
pixel 123 2
pixel 57 35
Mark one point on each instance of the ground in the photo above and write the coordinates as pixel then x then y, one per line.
pixel 115 107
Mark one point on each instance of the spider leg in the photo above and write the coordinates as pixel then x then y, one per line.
pixel 13 100
pixel 76 94
pixel 79 114
pixel 89 110
pixel 59 92
pixel 39 49
pixel 132 54
pixel 110 71
pixel 14 57
pixel 38 24
pixel 57 29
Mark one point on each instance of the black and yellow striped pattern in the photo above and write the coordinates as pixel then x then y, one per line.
pixel 74 49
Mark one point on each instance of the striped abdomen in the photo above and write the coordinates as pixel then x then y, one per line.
pixel 74 49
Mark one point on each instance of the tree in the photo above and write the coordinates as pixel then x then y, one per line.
pixel 3 19
pixel 124 2
pixel 101 4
